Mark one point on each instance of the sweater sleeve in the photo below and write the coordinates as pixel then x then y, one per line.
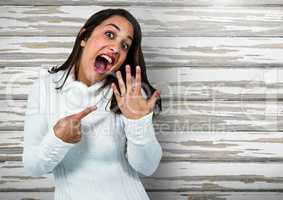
pixel 143 149
pixel 43 150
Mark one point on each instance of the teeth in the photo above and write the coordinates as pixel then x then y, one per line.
pixel 107 58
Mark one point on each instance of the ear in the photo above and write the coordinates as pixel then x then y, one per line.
pixel 83 43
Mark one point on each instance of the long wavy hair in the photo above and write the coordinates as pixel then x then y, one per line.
pixel 134 56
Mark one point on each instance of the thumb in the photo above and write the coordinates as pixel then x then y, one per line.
pixel 152 100
pixel 85 112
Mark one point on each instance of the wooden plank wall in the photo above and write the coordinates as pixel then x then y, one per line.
pixel 219 66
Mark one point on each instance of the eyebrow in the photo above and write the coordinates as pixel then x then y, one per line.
pixel 117 27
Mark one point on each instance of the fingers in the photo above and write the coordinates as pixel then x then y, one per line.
pixel 121 83
pixel 128 78
pixel 68 130
pixel 85 112
pixel 137 90
pixel 116 92
pixel 152 100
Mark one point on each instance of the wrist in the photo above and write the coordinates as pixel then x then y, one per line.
pixel 136 116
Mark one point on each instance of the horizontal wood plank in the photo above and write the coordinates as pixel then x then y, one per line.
pixel 221 146
pixel 215 195
pixel 217 176
pixel 147 2
pixel 155 21
pixel 212 116
pixel 27 195
pixel 159 51
pixel 174 177
pixel 11 146
pixel 186 83
pixel 188 146
pixel 162 195
pixel 219 116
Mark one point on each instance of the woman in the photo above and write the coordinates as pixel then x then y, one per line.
pixel 89 122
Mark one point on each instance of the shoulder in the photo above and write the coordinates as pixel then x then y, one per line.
pixel 52 78
pixel 45 81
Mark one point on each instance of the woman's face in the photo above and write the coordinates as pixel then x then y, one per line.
pixel 105 50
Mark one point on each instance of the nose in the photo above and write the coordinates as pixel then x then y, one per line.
pixel 114 49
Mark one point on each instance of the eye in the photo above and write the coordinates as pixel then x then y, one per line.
pixel 109 34
pixel 125 46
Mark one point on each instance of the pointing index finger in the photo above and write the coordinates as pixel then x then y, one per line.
pixel 85 112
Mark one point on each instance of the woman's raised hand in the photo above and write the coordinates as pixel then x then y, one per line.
pixel 68 128
pixel 130 100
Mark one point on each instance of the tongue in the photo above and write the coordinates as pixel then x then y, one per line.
pixel 100 66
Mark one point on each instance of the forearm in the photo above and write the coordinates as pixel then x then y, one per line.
pixel 143 150
pixel 43 158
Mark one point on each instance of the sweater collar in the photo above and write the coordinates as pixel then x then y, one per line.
pixel 77 90
pixel 72 83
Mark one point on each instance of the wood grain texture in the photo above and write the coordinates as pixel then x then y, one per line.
pixel 155 21
pixel 219 116
pixel 188 146
pixel 162 195
pixel 218 65
pixel 159 51
pixel 217 177
pixel 212 116
pixel 172 177
pixel 221 146
pixel 215 195
pixel 166 3
pixel 27 195
pixel 177 176
pixel 185 83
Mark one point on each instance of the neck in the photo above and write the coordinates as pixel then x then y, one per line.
pixel 81 77
pixel 85 81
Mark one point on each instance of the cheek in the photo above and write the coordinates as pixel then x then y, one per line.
pixel 93 46
pixel 87 62
pixel 123 57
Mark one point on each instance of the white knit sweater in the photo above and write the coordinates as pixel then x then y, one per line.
pixel 113 152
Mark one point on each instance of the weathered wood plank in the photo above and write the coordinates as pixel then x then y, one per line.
pixel 219 116
pixel 147 2
pixel 190 83
pixel 155 21
pixel 174 177
pixel 217 176
pixel 27 195
pixel 163 195
pixel 240 84
pixel 11 146
pixel 159 51
pixel 215 195
pixel 188 146
pixel 212 116
pixel 222 146
pixel 13 178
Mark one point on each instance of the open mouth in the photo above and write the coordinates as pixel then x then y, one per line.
pixel 103 63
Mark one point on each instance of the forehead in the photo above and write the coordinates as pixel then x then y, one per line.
pixel 121 22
